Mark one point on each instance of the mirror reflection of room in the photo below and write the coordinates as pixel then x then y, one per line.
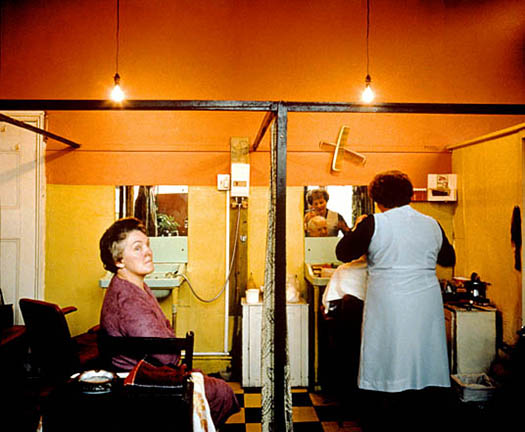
pixel 163 209
pixel 330 211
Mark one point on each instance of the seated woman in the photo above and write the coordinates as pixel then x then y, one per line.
pixel 131 309
pixel 342 307
pixel 317 227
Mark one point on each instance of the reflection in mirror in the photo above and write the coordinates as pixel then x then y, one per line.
pixel 162 209
pixel 331 210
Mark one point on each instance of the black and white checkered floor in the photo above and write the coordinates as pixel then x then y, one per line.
pixel 311 412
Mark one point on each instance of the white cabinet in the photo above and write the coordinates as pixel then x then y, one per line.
pixel 297 322
pixel 471 337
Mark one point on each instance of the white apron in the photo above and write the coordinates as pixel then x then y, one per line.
pixel 332 223
pixel 404 342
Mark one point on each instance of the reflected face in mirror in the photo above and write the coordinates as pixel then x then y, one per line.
pixel 338 205
pixel 319 206
pixel 317 227
pixel 162 209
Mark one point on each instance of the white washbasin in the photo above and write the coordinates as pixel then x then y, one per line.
pixel 165 277
pixel 314 277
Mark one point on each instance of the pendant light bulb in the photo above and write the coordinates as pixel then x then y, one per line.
pixel 117 95
pixel 368 94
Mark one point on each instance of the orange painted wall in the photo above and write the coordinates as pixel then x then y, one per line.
pixel 432 51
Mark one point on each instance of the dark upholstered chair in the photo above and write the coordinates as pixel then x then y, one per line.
pixel 18 407
pixel 54 353
pixel 13 346
pixel 146 407
pixel 139 347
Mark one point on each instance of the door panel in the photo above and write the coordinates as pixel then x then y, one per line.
pixel 21 197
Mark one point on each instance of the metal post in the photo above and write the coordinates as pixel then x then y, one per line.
pixel 280 329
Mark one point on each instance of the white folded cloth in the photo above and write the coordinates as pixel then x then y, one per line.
pixel 349 278
pixel 202 421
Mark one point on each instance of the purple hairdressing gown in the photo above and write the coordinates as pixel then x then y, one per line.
pixel 131 311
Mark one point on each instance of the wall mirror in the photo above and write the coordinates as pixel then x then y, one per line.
pixel 162 209
pixel 341 206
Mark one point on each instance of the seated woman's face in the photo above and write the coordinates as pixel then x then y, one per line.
pixel 137 257
pixel 319 206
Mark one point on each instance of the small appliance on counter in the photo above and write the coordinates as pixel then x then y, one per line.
pixel 465 291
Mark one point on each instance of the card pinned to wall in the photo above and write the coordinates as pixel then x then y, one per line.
pixel 442 187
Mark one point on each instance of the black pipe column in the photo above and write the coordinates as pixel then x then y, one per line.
pixel 280 329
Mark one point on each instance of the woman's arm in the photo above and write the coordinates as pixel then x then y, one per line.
pixel 355 242
pixel 446 255
pixel 138 318
pixel 341 224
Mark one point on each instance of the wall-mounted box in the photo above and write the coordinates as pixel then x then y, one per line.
pixel 442 187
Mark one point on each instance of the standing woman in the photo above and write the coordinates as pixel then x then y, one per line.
pixel 317 200
pixel 131 309
pixel 403 339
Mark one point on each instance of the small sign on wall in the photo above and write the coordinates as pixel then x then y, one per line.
pixel 442 187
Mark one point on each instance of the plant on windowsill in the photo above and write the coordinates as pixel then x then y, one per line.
pixel 167 226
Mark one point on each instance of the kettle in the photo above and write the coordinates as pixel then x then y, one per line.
pixel 476 288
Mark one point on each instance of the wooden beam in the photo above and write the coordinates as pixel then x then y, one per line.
pixel 47 134
pixel 267 121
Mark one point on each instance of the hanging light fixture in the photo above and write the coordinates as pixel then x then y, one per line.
pixel 368 94
pixel 117 95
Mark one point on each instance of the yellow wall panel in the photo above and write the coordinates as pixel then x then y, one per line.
pixel 489 186
pixel 206 269
pixel 76 217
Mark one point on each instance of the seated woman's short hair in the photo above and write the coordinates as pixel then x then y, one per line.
pixel 111 241
pixel 391 189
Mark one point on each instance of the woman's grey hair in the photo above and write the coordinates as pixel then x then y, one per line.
pixel 111 241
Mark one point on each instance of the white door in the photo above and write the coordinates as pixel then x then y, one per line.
pixel 22 194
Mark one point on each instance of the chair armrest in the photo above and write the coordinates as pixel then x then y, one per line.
pixel 94 329
pixel 138 347
pixel 68 309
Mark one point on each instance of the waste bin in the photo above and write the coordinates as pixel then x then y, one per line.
pixel 474 387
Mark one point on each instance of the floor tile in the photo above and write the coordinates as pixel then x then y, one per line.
pixel 252 415
pixel 319 400
pixel 237 417
pixel 304 414
pixel 232 427
pixel 236 387
pixel 299 390
pixel 334 427
pixel 327 413
pixel 240 399
pixel 308 427
pixel 252 390
pixel 301 399
pixel 252 400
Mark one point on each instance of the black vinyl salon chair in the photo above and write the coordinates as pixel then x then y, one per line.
pixel 173 404
pixel 140 347
pixel 13 347
pixel 55 354
pixel 128 407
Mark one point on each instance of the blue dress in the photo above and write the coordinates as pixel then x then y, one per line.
pixel 403 336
